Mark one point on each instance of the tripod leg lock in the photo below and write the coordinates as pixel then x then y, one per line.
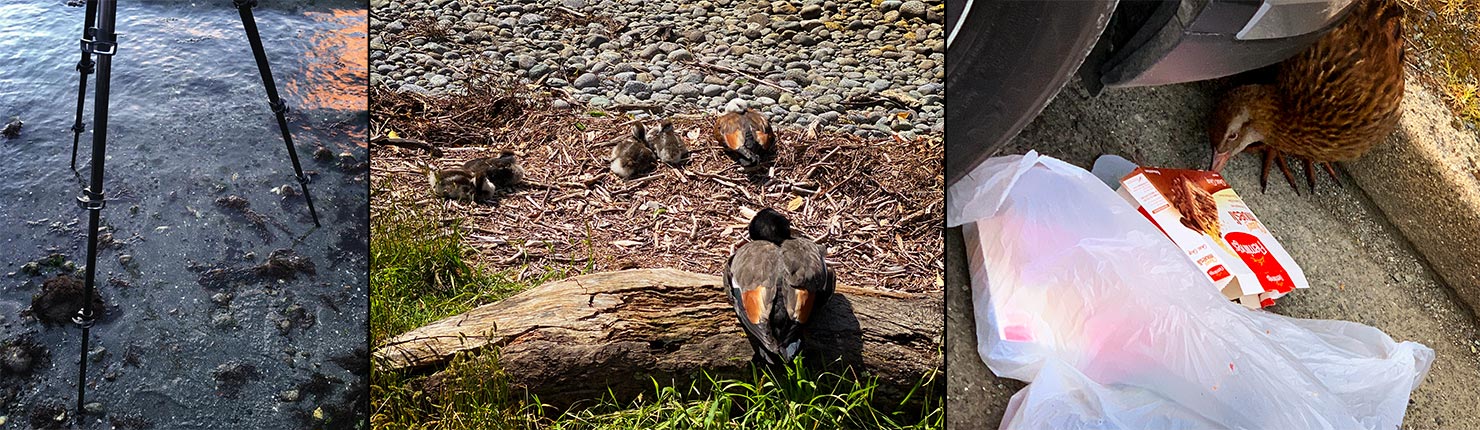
pixel 244 3
pixel 302 179
pixel 86 65
pixel 279 107
pixel 93 46
pixel 77 127
pixel 90 200
pixel 85 317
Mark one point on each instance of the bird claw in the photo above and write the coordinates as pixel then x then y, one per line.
pixel 1274 156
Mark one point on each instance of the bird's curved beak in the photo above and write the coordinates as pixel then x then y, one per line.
pixel 1219 159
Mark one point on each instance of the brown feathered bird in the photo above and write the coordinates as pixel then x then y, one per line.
pixel 1329 103
pixel 746 136
pixel 494 173
pixel 456 184
pixel 667 145
pixel 632 156
pixel 777 284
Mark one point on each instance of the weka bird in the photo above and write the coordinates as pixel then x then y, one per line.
pixel 494 173
pixel 632 156
pixel 746 136
pixel 667 145
pixel 777 283
pixel 1329 103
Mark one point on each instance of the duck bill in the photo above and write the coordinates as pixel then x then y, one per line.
pixel 1219 159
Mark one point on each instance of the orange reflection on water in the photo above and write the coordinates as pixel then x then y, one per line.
pixel 337 62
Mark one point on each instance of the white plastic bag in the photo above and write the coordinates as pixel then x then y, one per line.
pixel 1079 295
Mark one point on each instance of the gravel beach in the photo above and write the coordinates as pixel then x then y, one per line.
pixel 866 68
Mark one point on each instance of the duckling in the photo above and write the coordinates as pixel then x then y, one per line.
pixel 12 128
pixel 777 284
pixel 669 147
pixel 746 136
pixel 456 184
pixel 632 156
pixel 495 172
pixel 1330 103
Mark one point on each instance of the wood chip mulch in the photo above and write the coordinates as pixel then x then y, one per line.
pixel 877 205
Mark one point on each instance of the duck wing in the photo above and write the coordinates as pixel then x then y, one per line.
pixel 752 279
pixel 810 280
pixel 760 127
pixel 727 131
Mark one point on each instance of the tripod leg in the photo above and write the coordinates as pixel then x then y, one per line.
pixel 278 107
pixel 84 68
pixel 104 47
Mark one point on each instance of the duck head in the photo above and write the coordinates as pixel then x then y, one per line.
pixel 770 226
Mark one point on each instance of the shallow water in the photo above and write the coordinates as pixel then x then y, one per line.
pixel 189 124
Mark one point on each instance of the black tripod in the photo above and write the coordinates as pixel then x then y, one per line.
pixel 98 39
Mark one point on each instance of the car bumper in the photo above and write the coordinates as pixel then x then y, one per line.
pixel 1197 40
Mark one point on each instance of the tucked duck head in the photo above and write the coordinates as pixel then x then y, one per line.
pixel 770 226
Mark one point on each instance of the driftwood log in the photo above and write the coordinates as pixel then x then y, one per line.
pixel 577 338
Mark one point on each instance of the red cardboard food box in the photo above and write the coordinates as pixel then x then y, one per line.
pixel 1203 216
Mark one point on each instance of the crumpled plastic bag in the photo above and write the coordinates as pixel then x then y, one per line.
pixel 1113 327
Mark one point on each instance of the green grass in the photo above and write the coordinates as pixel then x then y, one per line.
pixel 796 400
pixel 419 274
pixel 1444 32
pixel 480 397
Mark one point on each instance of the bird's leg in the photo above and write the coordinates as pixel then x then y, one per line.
pixel 1310 172
pixel 1310 175
pixel 1264 173
pixel 1285 169
pixel 1273 156
pixel 1332 171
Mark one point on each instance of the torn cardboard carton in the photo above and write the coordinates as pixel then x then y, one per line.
pixel 1203 216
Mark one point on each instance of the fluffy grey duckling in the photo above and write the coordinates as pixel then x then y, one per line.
pixel 632 156
pixel 493 173
pixel 456 184
pixel 667 145
pixel 777 283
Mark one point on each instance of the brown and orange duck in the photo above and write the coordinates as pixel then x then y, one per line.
pixel 747 137
pixel 778 283
pixel 1330 103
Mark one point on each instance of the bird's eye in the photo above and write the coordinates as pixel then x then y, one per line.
pixel 1233 135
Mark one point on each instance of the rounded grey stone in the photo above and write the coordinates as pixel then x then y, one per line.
pixel 586 80
pixel 913 9
pixel 635 87
pixel 766 91
pixel 684 89
pixel 811 11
